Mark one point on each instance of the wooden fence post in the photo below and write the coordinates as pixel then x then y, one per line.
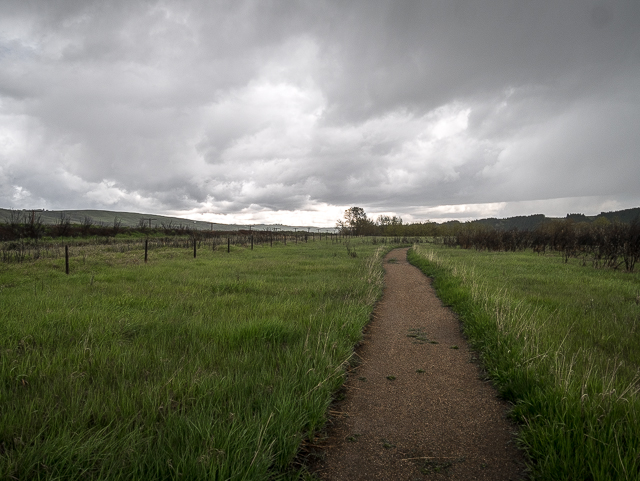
pixel 66 259
pixel 146 247
pixel 228 244
pixel 194 247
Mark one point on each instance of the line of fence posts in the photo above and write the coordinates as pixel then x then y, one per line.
pixel 146 245
pixel 334 236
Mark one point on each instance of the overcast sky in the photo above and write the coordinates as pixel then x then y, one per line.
pixel 292 111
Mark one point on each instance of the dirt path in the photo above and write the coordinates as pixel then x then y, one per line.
pixel 416 407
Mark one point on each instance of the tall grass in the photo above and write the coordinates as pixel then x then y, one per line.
pixel 561 342
pixel 208 368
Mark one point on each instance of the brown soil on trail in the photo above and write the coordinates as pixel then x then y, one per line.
pixel 416 407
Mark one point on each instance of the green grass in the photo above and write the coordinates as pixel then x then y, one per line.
pixel 209 368
pixel 562 344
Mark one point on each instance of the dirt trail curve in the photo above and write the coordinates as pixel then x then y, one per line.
pixel 416 407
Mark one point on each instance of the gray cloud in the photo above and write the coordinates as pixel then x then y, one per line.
pixel 266 109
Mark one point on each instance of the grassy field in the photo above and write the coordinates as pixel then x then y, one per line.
pixel 562 343
pixel 207 368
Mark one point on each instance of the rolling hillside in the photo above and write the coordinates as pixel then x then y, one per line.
pixel 132 219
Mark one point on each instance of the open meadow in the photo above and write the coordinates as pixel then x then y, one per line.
pixel 216 367
pixel 220 366
pixel 561 342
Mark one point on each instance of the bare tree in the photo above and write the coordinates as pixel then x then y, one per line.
pixel 87 223
pixel 167 227
pixel 33 225
pixel 15 222
pixel 63 225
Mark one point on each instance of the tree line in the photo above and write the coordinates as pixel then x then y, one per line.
pixel 602 243
pixel 29 225
pixel 355 222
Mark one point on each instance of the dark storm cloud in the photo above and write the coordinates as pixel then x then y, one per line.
pixel 426 53
pixel 241 107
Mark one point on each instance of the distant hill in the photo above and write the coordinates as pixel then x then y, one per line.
pixel 131 219
pixel 626 215
pixel 530 222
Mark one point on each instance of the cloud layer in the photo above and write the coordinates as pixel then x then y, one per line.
pixel 268 111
